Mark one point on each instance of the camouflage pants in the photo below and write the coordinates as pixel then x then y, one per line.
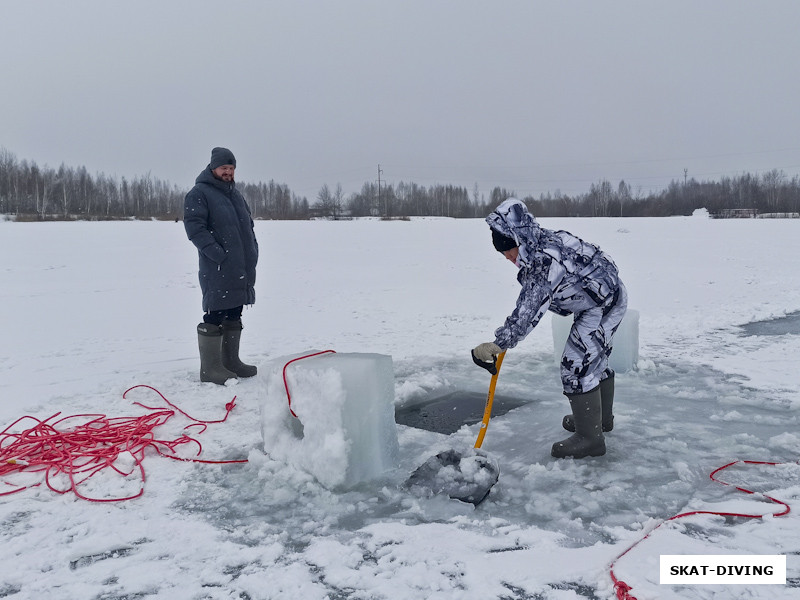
pixel 584 363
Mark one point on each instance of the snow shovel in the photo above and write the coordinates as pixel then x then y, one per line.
pixel 465 475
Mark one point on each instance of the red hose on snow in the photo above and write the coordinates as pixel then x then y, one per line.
pixel 75 453
pixel 622 589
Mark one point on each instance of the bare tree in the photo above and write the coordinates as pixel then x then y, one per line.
pixel 338 201
pixel 600 196
pixel 623 195
pixel 324 204
pixel 773 182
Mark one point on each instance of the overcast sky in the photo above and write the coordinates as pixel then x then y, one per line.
pixel 533 96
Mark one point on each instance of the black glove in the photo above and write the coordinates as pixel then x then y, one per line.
pixel 485 356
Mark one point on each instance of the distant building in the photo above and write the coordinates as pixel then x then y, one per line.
pixel 779 215
pixel 734 213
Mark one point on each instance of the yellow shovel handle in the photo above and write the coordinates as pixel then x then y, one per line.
pixel 487 411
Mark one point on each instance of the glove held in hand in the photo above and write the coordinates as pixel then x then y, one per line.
pixel 485 356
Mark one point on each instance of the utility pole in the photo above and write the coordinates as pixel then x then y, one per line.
pixel 386 212
pixel 685 172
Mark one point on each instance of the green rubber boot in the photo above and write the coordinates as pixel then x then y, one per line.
pixel 588 438
pixel 209 340
pixel 607 397
pixel 231 336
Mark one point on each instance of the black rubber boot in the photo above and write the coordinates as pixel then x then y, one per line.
pixel 588 438
pixel 607 397
pixel 209 339
pixel 231 336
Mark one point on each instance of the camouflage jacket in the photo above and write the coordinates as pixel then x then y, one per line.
pixel 557 271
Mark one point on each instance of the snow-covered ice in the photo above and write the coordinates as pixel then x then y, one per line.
pixel 95 308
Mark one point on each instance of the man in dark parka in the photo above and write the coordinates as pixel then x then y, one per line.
pixel 218 222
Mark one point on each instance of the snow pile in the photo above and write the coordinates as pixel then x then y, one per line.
pixel 340 425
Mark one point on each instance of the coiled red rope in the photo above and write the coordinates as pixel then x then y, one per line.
pixel 622 589
pixel 286 384
pixel 75 448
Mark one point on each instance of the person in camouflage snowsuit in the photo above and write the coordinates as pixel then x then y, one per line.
pixel 566 275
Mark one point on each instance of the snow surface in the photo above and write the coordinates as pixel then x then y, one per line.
pixel 95 308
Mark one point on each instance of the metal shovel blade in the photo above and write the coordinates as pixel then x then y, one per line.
pixel 465 475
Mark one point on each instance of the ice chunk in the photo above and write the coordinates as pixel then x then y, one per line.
pixel 626 341
pixel 344 432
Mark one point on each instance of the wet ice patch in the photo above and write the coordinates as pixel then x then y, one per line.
pixel 789 324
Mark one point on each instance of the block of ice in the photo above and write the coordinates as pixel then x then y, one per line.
pixel 344 432
pixel 626 341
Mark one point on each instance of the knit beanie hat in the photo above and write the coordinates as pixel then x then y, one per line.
pixel 501 242
pixel 221 156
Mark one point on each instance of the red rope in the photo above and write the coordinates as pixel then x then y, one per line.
pixel 76 452
pixel 622 589
pixel 286 384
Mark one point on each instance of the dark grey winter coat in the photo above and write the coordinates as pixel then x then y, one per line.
pixel 217 221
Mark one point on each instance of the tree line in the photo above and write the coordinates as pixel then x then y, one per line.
pixel 30 192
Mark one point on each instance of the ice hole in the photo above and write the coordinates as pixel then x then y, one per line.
pixel 448 413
